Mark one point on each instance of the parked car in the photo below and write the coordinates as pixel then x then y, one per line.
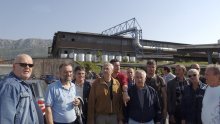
pixel 49 78
pixel 3 76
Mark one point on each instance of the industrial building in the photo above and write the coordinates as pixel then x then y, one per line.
pixel 88 46
pixel 124 42
pixel 111 43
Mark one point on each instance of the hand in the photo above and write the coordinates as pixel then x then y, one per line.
pixel 120 122
pixel 172 119
pixel 76 102
pixel 126 98
pixel 164 114
pixel 183 121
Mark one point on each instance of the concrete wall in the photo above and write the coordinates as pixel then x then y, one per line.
pixel 5 68
pixel 42 66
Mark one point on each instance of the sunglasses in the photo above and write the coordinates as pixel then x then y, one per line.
pixel 25 65
pixel 191 75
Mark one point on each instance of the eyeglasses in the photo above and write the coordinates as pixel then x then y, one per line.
pixel 25 65
pixel 191 75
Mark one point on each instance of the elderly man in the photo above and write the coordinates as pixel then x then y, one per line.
pixel 143 106
pixel 211 100
pixel 17 105
pixel 60 98
pixel 193 94
pixel 105 99
pixel 197 67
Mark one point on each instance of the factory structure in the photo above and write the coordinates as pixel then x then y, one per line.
pixel 123 42
pixel 90 47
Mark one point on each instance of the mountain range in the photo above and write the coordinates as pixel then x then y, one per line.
pixel 37 48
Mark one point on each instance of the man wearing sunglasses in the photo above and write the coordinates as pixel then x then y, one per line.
pixel 17 104
pixel 191 105
pixel 197 67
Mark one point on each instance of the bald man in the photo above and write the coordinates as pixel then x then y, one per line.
pixel 17 104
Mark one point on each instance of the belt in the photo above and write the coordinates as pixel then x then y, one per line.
pixel 110 114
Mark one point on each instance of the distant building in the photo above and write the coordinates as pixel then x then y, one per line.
pixel 89 46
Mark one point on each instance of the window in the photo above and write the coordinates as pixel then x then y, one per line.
pixel 62 36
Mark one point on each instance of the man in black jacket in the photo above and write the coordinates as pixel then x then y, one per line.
pixel 191 105
pixel 82 89
pixel 175 90
pixel 143 106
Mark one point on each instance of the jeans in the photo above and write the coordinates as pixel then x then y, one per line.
pixel 130 121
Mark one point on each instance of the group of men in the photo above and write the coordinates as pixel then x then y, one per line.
pixel 114 98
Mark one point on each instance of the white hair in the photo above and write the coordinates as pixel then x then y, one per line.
pixel 142 72
pixel 193 71
pixel 109 65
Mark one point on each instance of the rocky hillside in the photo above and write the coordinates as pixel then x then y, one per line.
pixel 34 47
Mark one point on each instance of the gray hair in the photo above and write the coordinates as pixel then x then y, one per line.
pixel 195 71
pixel 215 68
pixel 20 56
pixel 109 65
pixel 142 72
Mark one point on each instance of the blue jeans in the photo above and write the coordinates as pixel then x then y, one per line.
pixel 130 121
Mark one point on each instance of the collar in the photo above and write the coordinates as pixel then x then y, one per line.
pixel 200 85
pixel 102 81
pixel 12 75
pixel 154 76
pixel 74 81
pixel 143 88
pixel 177 79
pixel 61 85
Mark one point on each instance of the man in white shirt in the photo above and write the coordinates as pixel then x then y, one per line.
pixel 211 100
pixel 167 74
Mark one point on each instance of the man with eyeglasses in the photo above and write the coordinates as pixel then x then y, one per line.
pixel 17 104
pixel 197 67
pixel 191 105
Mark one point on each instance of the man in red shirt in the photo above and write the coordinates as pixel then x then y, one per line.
pixel 121 78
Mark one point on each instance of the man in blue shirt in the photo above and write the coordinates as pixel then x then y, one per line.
pixel 61 98
pixel 17 105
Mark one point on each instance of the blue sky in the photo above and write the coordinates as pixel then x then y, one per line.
pixel 181 21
